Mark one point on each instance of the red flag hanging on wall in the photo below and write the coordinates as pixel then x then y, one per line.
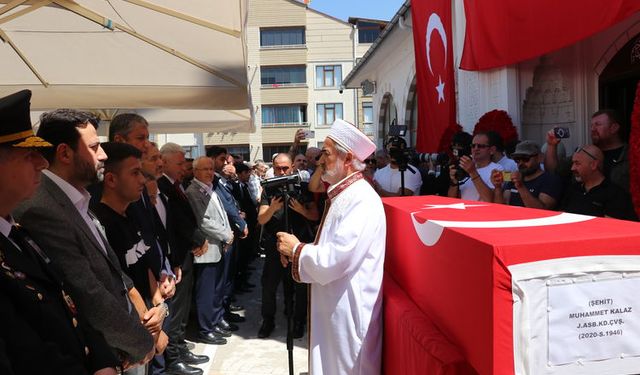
pixel 434 71
pixel 500 33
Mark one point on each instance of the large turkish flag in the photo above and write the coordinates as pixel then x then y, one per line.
pixel 502 32
pixel 434 71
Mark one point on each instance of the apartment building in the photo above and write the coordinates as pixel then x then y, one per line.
pixel 297 59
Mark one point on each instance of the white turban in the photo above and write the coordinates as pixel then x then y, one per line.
pixel 351 138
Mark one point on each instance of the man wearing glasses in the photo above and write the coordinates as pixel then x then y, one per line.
pixel 607 133
pixel 529 186
pixel 478 186
pixel 593 193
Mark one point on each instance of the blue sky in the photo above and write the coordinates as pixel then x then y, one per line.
pixel 343 9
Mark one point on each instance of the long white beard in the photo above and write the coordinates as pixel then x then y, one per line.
pixel 333 176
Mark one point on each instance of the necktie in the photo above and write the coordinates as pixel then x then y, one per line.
pixel 179 192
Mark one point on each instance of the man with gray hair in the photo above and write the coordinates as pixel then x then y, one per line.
pixel 185 241
pixel 130 128
pixel 345 264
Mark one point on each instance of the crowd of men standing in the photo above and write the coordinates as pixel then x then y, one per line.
pixel 594 180
pixel 118 239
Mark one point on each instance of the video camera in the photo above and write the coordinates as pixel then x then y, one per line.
pixel 290 185
pixel 403 155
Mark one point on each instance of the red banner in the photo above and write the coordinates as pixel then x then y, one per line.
pixel 500 33
pixel 434 71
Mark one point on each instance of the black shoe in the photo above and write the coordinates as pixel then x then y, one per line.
pixel 227 326
pixel 298 330
pixel 221 332
pixel 248 285
pixel 181 368
pixel 234 308
pixel 266 328
pixel 233 318
pixel 191 358
pixel 211 338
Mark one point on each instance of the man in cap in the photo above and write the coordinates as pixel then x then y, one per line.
pixel 529 186
pixel 345 264
pixel 38 320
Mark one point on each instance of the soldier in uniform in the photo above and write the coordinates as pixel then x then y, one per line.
pixel 41 331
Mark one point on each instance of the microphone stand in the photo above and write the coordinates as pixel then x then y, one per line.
pixel 289 302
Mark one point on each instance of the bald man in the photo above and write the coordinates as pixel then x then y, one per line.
pixel 593 193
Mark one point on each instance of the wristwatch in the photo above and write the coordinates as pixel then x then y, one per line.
pixel 165 307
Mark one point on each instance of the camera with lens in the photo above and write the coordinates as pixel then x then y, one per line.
pixel 403 155
pixel 290 185
pixel 458 151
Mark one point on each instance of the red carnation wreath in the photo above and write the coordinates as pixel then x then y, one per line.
pixel 634 152
pixel 500 122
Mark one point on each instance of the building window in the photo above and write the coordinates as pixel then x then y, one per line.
pixel 284 115
pixel 368 32
pixel 242 150
pixel 292 36
pixel 328 75
pixel 283 75
pixel 328 113
pixel 269 150
pixel 367 112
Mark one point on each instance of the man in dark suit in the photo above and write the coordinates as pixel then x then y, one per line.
pixel 58 216
pixel 246 246
pixel 185 241
pixel 224 189
pixel 44 332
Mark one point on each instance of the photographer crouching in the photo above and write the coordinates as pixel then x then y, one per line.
pixel 301 213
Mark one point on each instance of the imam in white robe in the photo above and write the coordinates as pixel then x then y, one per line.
pixel 345 271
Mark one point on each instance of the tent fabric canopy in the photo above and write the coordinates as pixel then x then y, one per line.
pixel 500 33
pixel 129 55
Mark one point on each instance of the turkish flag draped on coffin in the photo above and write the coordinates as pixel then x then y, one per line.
pixel 500 33
pixel 434 71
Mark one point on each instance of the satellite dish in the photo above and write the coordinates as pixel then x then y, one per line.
pixel 368 88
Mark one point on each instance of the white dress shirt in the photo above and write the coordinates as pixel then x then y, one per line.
pixel 80 200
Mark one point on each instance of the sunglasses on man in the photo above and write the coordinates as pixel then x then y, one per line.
pixel 524 159
pixel 371 161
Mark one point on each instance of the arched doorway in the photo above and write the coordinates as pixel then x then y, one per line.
pixel 388 115
pixel 411 114
pixel 618 81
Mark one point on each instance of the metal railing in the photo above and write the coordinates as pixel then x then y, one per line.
pixel 286 125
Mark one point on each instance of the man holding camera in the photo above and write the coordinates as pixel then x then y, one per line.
pixel 607 134
pixel 529 186
pixel 387 180
pixel 302 211
pixel 477 186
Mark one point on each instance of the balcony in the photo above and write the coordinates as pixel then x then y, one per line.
pixel 302 125
pixel 283 85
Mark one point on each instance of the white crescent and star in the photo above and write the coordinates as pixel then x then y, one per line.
pixel 430 231
pixel 435 24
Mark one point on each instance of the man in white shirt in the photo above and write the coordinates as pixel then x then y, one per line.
pixel 478 186
pixel 387 180
pixel 499 157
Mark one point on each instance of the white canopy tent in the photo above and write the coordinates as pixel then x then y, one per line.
pixel 182 64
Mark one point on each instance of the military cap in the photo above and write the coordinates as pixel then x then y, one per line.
pixel 15 122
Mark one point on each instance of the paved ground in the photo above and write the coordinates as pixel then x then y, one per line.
pixel 244 353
